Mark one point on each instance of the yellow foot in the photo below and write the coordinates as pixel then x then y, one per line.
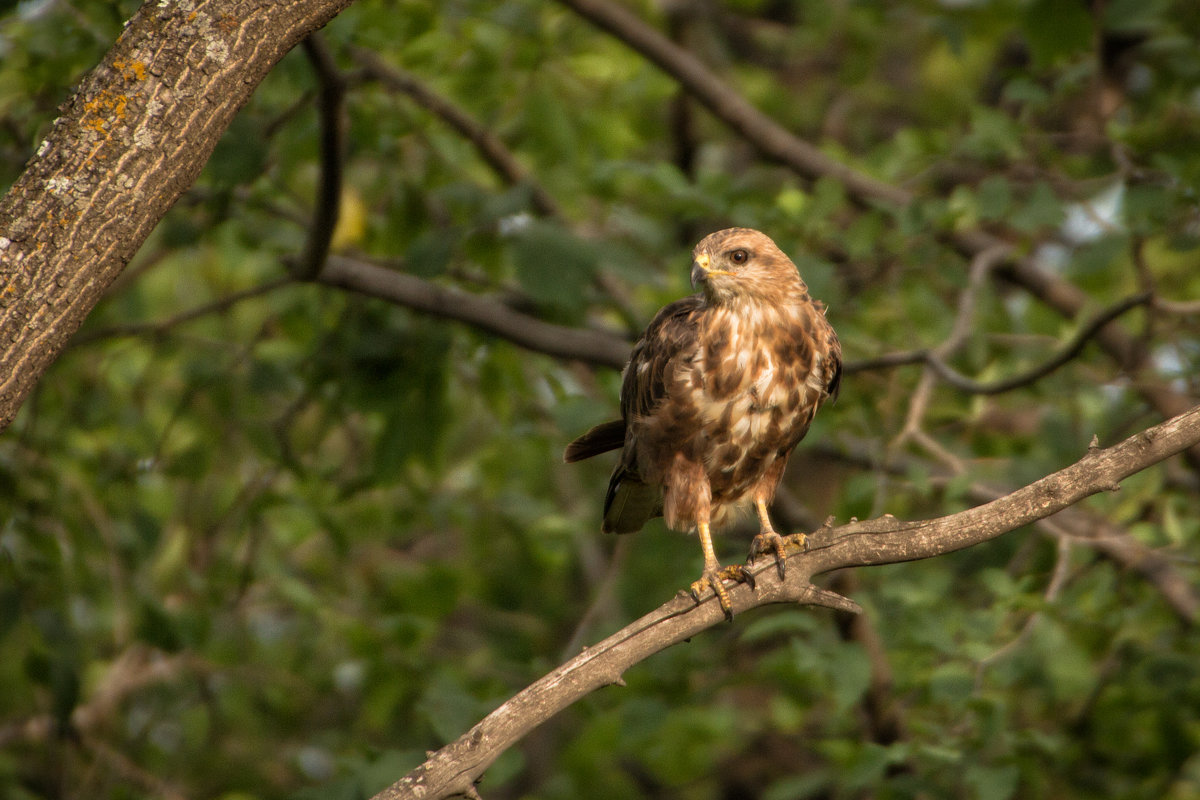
pixel 771 542
pixel 715 579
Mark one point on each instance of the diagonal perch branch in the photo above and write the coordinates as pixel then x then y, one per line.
pixel 456 767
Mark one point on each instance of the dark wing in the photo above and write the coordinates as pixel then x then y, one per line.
pixel 835 382
pixel 671 336
pixel 833 360
pixel 642 388
pixel 674 331
pixel 600 439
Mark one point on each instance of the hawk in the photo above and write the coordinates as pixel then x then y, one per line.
pixel 718 391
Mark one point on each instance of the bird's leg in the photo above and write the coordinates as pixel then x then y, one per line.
pixel 714 575
pixel 688 496
pixel 768 540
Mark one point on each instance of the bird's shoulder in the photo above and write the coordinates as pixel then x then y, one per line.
pixel 671 338
pixel 828 341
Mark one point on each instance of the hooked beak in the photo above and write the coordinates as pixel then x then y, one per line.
pixel 700 270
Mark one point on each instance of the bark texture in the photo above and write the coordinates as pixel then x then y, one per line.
pixel 132 138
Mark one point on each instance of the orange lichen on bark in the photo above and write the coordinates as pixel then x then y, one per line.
pixel 103 109
pixel 130 70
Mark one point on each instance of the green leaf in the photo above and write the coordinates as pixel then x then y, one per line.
pixel 992 783
pixel 994 198
pixel 1057 31
pixel 553 266
pixel 429 254
pixel 1041 210
pixel 782 623
pixel 239 156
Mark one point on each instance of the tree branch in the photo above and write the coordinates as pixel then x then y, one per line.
pixel 934 357
pixel 331 92
pixel 456 767
pixel 217 306
pixel 491 149
pixel 726 104
pixel 1068 352
pixel 609 350
pixel 592 347
pixel 133 137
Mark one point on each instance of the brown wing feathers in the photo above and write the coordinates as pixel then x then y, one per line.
pixel 600 439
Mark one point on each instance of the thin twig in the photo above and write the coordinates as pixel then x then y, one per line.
pixel 493 151
pixel 886 361
pixel 162 326
pixel 913 429
pixel 981 266
pixel 1181 307
pixel 1058 579
pixel 1091 329
pixel 1080 340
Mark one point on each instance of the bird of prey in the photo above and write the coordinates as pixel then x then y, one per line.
pixel 718 391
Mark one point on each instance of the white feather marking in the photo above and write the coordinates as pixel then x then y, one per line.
pixel 763 381
pixel 815 380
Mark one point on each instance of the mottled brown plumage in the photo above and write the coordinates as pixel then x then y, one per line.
pixel 718 391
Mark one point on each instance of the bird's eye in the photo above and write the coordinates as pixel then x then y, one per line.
pixel 739 256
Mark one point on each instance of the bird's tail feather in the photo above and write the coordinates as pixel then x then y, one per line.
pixel 600 439
pixel 630 504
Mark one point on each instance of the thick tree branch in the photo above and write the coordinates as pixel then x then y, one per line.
pixel 456 767
pixel 1085 526
pixel 133 138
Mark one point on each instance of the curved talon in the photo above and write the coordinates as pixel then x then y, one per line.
pixel 771 542
pixel 739 574
pixel 715 579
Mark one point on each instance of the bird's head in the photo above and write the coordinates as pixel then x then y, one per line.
pixel 742 263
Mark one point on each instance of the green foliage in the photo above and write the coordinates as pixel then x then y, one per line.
pixel 283 548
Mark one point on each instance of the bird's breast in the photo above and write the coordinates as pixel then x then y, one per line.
pixel 753 389
pixel 751 366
